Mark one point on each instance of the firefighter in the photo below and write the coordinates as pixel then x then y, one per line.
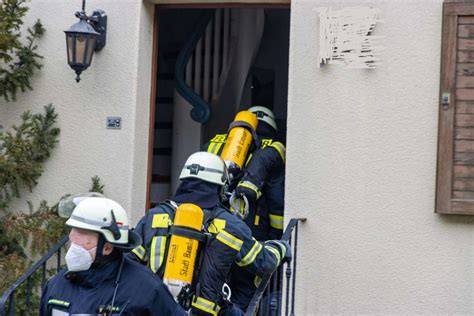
pixel 204 179
pixel 262 181
pixel 99 279
pixel 258 196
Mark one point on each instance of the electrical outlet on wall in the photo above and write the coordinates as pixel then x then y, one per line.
pixel 114 123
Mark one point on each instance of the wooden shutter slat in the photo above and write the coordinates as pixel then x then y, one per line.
pixel 465 94
pixel 463 184
pixel 463 195
pixel 466 20
pixel 464 120
pixel 465 69
pixel 466 56
pixel 466 31
pixel 462 207
pixel 464 158
pixel 465 82
pixel 461 171
pixel 464 146
pixel 465 44
pixel 464 133
pixel 465 107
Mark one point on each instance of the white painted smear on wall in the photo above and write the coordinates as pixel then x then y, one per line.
pixel 345 37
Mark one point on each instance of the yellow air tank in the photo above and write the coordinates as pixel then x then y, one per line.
pixel 239 140
pixel 182 251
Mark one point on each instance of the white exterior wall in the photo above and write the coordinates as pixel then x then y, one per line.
pixel 116 84
pixel 361 166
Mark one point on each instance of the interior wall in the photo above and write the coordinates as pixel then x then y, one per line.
pixel 273 57
pixel 361 166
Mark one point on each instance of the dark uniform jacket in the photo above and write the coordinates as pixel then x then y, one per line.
pixel 230 243
pixel 264 173
pixel 139 292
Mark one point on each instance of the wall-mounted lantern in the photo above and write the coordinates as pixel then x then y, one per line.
pixel 85 37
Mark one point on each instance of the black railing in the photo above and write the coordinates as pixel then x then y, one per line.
pixel 267 300
pixel 201 111
pixel 8 296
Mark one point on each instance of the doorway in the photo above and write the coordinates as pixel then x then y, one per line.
pixel 239 58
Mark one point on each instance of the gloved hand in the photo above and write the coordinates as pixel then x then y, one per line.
pixel 283 247
pixel 239 205
pixel 250 190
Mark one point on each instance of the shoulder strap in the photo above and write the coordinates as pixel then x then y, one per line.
pixel 169 206
pixel 249 127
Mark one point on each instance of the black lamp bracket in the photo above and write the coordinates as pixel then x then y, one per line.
pixel 98 20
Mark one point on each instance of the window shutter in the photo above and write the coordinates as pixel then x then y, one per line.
pixel 455 177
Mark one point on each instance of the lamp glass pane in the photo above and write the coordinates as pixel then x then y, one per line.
pixel 80 48
pixel 90 49
pixel 69 44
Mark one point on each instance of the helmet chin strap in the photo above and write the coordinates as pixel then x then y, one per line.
pixel 100 258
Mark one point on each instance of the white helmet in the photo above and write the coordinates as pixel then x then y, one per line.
pixel 205 166
pixel 68 204
pixel 265 115
pixel 106 217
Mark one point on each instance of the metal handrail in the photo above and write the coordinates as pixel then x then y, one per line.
pixel 274 304
pixel 201 111
pixel 9 294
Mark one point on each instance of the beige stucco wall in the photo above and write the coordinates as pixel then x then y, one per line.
pixel 116 84
pixel 361 166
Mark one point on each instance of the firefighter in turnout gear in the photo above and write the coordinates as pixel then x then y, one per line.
pixel 258 195
pixel 262 181
pixel 99 278
pixel 229 241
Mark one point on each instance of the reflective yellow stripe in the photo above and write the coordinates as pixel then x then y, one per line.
pixel 280 148
pixel 157 252
pixel 206 305
pixel 251 186
pixel 140 252
pixel 214 148
pixel 216 226
pixel 229 240
pixel 266 142
pixel 59 302
pixel 219 138
pixel 248 159
pixel 102 309
pixel 257 220
pixel 251 255
pixel 276 221
pixel 218 147
pixel 160 221
pixel 275 252
pixel 216 143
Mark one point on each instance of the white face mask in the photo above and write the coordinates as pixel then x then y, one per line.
pixel 78 258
